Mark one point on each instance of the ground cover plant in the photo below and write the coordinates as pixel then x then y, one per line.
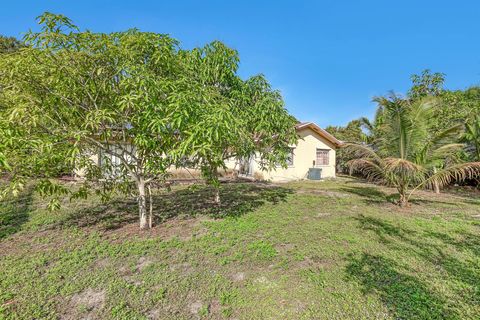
pixel 305 250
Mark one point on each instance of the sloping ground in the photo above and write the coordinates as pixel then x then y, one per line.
pixel 309 250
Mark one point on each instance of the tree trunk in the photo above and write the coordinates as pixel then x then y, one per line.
pixel 403 200
pixel 436 187
pixel 142 206
pixel 402 191
pixel 214 172
pixel 217 195
pixel 150 202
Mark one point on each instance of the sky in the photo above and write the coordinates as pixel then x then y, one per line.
pixel 328 58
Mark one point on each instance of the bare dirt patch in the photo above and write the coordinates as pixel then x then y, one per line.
pixel 238 277
pixel 215 307
pixel 195 307
pixel 315 262
pixel 101 263
pixel 323 214
pixel 143 262
pixel 184 267
pixel 327 193
pixel 184 229
pixel 285 247
pixel 154 314
pixel 85 305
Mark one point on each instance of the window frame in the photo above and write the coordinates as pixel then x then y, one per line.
pixel 292 153
pixel 292 164
pixel 327 151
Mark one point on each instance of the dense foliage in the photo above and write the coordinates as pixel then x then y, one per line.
pixel 429 138
pixel 137 99
pixel 9 44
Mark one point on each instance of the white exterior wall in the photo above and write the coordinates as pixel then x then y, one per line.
pixel 79 173
pixel 305 152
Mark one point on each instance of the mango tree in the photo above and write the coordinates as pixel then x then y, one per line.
pixel 242 118
pixel 133 97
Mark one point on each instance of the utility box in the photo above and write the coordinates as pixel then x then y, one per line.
pixel 314 174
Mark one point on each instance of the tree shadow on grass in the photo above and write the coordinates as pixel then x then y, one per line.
pixel 384 230
pixel 236 200
pixel 373 195
pixel 14 213
pixel 370 195
pixel 465 242
pixel 429 248
pixel 404 295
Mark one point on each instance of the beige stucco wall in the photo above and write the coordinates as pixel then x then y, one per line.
pixel 80 173
pixel 305 153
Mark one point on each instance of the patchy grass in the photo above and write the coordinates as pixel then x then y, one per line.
pixel 306 250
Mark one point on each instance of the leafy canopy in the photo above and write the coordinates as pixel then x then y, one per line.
pixel 406 154
pixel 135 97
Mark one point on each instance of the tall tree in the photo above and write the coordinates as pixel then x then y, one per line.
pixel 113 93
pixel 135 97
pixel 426 84
pixel 253 119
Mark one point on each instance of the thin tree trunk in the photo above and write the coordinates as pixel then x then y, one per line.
pixel 150 217
pixel 142 206
pixel 436 187
pixel 403 200
pixel 214 172
pixel 217 195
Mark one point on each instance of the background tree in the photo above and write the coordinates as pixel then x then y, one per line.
pixel 426 84
pixel 240 118
pixel 353 132
pixel 472 139
pixel 408 155
pixel 10 44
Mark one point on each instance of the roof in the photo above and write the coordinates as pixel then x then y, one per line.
pixel 324 134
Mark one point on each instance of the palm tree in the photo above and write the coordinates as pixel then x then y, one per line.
pixel 472 138
pixel 405 154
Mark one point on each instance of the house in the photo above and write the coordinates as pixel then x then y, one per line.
pixel 315 150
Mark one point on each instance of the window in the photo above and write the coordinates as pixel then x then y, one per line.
pixel 322 157
pixel 290 158
pixel 112 165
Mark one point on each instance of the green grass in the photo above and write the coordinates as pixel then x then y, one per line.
pixel 305 250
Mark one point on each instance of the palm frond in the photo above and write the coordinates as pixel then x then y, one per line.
pixel 401 165
pixel 362 151
pixel 446 136
pixel 446 150
pixel 458 172
pixel 368 168
pixel 366 124
pixel 403 169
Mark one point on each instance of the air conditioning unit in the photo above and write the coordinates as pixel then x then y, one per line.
pixel 314 174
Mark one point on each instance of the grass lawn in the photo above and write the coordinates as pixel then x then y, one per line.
pixel 307 250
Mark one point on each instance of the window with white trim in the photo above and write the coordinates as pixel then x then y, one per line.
pixel 323 157
pixel 290 158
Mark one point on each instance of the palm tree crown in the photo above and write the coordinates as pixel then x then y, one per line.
pixel 405 153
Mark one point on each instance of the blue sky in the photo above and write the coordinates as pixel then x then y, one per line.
pixel 328 58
